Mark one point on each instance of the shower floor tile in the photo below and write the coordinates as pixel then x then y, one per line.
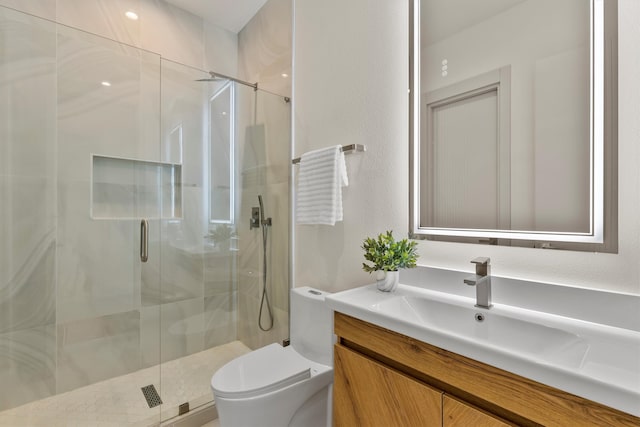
pixel 120 402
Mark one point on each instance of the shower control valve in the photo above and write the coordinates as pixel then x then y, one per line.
pixel 254 221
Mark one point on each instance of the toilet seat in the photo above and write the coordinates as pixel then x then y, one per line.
pixel 262 371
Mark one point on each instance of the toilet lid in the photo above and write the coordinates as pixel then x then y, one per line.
pixel 259 372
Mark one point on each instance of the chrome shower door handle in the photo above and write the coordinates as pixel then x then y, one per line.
pixel 144 240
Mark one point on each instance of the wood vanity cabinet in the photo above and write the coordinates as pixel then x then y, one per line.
pixel 383 378
pixel 369 393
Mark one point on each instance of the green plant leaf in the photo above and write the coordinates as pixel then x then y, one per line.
pixel 387 254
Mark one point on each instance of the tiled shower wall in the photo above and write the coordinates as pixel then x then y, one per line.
pixel 74 302
pixel 264 56
pixel 175 34
pixel 28 215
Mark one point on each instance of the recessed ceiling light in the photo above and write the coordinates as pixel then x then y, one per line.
pixel 105 83
pixel 284 75
pixel 131 15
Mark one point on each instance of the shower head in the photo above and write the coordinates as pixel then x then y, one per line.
pixel 214 78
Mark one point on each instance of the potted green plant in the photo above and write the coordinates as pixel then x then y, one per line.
pixel 387 256
pixel 221 235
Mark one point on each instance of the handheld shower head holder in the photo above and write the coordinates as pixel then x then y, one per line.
pixel 263 221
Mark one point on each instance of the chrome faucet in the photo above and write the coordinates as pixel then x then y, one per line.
pixel 482 281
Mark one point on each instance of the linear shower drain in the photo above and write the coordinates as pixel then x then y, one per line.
pixel 152 396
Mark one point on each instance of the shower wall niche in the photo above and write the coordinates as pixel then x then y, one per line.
pixel 132 189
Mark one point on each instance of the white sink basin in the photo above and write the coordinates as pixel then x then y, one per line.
pixel 490 329
pixel 595 361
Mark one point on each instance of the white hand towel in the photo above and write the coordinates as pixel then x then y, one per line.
pixel 321 177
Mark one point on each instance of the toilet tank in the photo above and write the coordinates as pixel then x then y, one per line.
pixel 311 325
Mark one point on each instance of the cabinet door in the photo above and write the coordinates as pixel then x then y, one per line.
pixel 458 414
pixel 368 393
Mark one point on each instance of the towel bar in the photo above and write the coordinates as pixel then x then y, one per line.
pixel 345 148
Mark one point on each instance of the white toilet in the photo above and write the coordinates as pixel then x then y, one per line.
pixel 277 386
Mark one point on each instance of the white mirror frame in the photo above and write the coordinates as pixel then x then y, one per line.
pixel 596 232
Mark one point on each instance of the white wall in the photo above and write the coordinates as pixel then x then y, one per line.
pixel 350 86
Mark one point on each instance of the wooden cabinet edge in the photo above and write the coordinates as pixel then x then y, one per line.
pixel 509 396
pixel 456 413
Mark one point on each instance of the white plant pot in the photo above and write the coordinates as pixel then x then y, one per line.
pixel 387 280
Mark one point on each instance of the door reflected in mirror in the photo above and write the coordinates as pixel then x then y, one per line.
pixel 509 119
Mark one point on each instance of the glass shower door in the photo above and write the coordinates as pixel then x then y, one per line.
pixel 80 167
pixel 233 144
pixel 109 178
pixel 95 137
pixel 27 209
pixel 263 152
pixel 98 138
pixel 197 329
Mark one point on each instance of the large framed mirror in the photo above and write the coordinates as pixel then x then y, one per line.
pixel 514 122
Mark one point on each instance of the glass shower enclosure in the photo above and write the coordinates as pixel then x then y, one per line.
pixel 128 270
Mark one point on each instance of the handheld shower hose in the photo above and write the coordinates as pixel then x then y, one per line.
pixel 264 301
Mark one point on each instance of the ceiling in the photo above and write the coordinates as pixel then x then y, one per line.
pixel 452 15
pixel 231 15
